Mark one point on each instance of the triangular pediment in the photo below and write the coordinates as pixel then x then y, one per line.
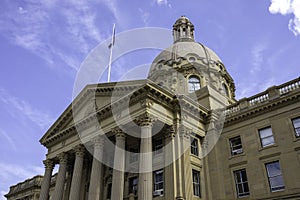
pixel 91 98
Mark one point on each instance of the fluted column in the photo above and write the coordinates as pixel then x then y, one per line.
pixel 44 194
pixel 60 181
pixel 145 163
pixel 77 173
pixel 96 174
pixel 119 166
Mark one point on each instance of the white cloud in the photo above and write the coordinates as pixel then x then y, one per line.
pixel 8 139
pixel 73 29
pixel 285 7
pixel 19 107
pixel 145 16
pixel 257 56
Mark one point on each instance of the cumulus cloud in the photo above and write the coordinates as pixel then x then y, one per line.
pixel 285 7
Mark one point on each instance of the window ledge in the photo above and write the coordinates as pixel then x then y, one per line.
pixel 296 139
pixel 267 147
pixel 237 155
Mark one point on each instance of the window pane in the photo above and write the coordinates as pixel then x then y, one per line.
pixel 275 176
pixel 196 182
pixel 267 141
pixel 296 124
pixel 265 132
pixel 194 84
pixel 241 183
pixel 236 145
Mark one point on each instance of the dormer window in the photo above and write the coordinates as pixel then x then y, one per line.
pixel 194 84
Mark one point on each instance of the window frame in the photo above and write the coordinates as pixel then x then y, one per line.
pixel 133 188
pixel 194 83
pixel 239 181
pixel 266 137
pixel 194 148
pixel 271 177
pixel 296 129
pixel 158 185
pixel 233 150
pixel 196 183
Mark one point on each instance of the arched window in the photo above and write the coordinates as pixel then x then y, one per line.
pixel 194 83
pixel 225 89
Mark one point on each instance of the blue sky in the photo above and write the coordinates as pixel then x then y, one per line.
pixel 43 44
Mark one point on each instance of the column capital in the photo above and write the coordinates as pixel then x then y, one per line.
pixel 98 141
pixel 63 158
pixel 49 164
pixel 170 132
pixel 79 150
pixel 119 134
pixel 144 120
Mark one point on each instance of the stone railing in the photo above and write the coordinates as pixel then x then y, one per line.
pixel 35 181
pixel 270 94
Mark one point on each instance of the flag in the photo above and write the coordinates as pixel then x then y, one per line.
pixel 113 37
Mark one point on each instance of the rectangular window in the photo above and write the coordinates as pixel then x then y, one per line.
pixel 241 183
pixel 236 145
pixel 275 176
pixel 133 185
pixel 158 146
pixel 296 124
pixel 158 180
pixel 194 146
pixel 266 136
pixel 196 183
pixel 133 154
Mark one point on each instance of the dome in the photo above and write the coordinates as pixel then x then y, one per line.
pixel 186 50
pixel 188 66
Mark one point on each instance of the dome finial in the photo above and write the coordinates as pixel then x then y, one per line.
pixel 183 30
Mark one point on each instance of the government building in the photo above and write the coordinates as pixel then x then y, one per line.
pixel 180 134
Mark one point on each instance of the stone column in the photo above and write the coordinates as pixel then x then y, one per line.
pixel 119 166
pixel 60 180
pixel 77 173
pixel 96 174
pixel 169 159
pixel 44 194
pixel 179 152
pixel 145 163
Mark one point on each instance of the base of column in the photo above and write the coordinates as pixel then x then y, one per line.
pixel 179 198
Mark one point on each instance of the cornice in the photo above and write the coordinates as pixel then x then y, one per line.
pixel 262 108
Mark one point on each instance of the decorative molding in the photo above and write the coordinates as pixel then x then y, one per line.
pixel 49 164
pixel 270 156
pixel 144 120
pixel 79 150
pixel 63 158
pixel 119 134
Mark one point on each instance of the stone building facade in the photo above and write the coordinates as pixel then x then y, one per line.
pixel 180 134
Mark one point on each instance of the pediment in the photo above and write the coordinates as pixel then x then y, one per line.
pixel 91 98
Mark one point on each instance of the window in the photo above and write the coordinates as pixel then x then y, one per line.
pixel 194 84
pixel 225 89
pixel 194 146
pixel 296 124
pixel 133 154
pixel 158 183
pixel 133 185
pixel 241 183
pixel 158 146
pixel 266 136
pixel 236 145
pixel 196 183
pixel 275 176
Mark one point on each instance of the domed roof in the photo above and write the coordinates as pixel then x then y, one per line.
pixel 185 50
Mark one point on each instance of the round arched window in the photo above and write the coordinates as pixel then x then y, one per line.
pixel 225 89
pixel 194 83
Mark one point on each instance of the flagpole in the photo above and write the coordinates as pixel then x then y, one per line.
pixel 111 51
